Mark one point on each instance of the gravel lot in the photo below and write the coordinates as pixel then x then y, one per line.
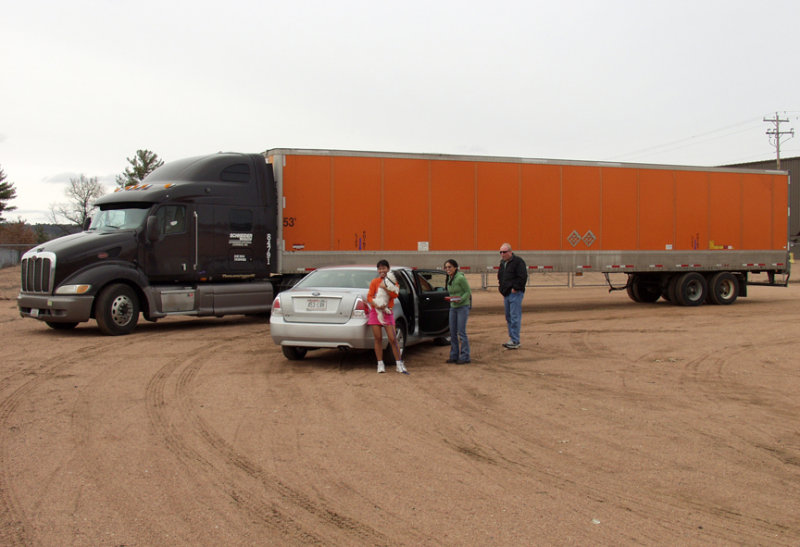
pixel 614 423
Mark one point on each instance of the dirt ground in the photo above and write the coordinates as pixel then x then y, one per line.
pixel 614 423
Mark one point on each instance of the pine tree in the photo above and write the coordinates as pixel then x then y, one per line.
pixel 7 193
pixel 142 164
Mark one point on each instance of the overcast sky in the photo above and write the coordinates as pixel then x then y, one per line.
pixel 86 83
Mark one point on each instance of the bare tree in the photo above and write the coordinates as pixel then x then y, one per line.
pixel 82 193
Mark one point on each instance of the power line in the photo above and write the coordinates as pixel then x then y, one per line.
pixel 691 141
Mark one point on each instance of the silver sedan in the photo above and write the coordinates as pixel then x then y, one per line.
pixel 328 309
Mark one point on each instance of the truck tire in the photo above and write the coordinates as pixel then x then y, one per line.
pixel 61 326
pixel 723 288
pixel 690 289
pixel 642 289
pixel 117 310
pixel 672 289
pixel 400 334
pixel 294 353
pixel 630 290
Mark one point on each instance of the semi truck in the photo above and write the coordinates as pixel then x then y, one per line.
pixel 223 233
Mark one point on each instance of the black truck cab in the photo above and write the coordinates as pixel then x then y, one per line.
pixel 194 238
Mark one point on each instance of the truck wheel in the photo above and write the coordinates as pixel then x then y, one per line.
pixel 61 326
pixel 723 288
pixel 630 288
pixel 671 293
pixel 642 289
pixel 293 353
pixel 117 310
pixel 648 292
pixel 400 334
pixel 690 289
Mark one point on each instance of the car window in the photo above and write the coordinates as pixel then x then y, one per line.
pixel 431 281
pixel 337 278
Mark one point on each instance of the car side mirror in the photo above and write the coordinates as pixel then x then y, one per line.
pixel 153 233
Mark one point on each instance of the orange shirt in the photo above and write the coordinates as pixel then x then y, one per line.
pixel 373 290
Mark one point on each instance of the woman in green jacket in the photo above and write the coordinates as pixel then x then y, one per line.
pixel 460 303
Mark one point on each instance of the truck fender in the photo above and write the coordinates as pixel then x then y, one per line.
pixel 100 275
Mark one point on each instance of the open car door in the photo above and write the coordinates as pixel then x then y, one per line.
pixel 434 310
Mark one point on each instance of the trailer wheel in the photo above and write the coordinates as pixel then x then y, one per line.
pixel 629 288
pixel 117 310
pixel 294 353
pixel 671 289
pixel 642 289
pixel 400 334
pixel 649 292
pixel 690 289
pixel 723 288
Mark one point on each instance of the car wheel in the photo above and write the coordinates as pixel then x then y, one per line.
pixel 117 310
pixel 294 353
pixel 400 335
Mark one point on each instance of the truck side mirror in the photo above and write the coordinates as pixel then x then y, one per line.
pixel 153 231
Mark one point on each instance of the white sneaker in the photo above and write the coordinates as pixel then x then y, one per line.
pixel 381 367
pixel 401 368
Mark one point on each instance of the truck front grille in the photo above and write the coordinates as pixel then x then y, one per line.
pixel 37 272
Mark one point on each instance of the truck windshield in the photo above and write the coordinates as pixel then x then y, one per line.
pixel 106 220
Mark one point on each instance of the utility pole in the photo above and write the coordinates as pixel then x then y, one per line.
pixel 777 133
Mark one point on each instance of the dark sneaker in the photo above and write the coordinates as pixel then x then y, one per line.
pixel 451 361
pixel 464 362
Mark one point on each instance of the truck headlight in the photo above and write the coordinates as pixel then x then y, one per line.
pixel 73 289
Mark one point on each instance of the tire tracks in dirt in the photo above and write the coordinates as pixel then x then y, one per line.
pixel 16 528
pixel 204 453
pixel 467 405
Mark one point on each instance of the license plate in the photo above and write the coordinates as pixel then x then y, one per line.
pixel 34 312
pixel 316 304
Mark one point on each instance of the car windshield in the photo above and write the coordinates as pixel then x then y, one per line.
pixel 106 220
pixel 338 278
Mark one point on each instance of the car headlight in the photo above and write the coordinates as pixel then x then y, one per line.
pixel 73 289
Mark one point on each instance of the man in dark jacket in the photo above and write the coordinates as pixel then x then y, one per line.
pixel 512 277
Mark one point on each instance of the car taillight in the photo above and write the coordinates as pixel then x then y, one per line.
pixel 360 308
pixel 276 306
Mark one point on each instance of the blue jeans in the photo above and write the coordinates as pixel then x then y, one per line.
pixel 513 307
pixel 459 343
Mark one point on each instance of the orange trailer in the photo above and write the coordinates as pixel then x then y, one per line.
pixel 687 234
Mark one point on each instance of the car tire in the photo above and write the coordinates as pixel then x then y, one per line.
pixel 294 353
